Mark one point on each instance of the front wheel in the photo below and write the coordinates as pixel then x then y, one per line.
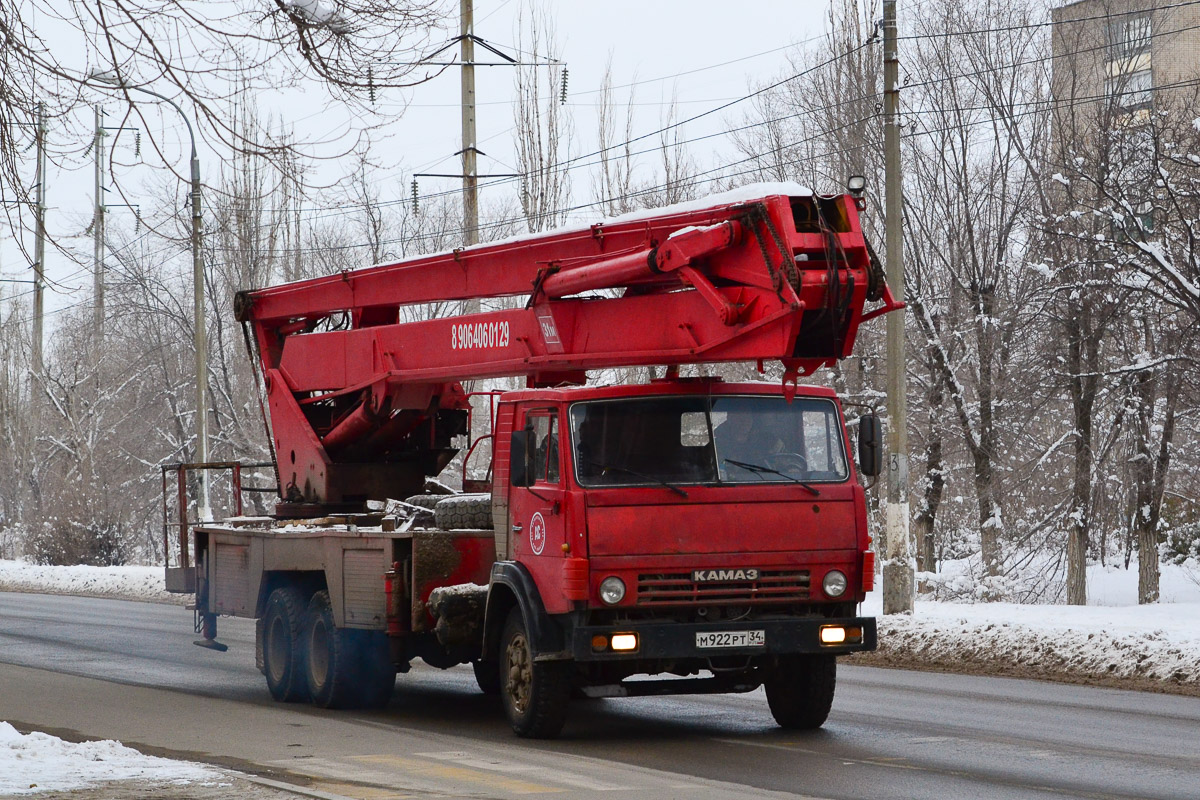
pixel 800 691
pixel 534 694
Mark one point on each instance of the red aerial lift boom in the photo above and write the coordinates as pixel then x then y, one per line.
pixel 364 396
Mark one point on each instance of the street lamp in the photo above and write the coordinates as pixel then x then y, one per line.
pixel 204 512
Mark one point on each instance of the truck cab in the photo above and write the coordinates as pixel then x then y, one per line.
pixel 698 528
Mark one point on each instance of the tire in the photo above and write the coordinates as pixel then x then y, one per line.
pixel 345 668
pixel 425 501
pixel 800 693
pixel 464 512
pixel 534 694
pixel 487 675
pixel 283 645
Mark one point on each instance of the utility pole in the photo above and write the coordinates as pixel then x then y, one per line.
pixel 200 341
pixel 470 165
pixel 39 250
pixel 899 590
pixel 204 507
pixel 98 231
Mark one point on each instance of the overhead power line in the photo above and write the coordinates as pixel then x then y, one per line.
pixel 580 162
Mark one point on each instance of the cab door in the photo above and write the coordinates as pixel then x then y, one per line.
pixel 535 516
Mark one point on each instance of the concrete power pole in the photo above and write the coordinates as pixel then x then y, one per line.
pixel 899 590
pixel 203 504
pixel 39 251
pixel 470 165
pixel 98 231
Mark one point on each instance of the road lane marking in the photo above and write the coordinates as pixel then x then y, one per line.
pixel 556 775
pixel 487 778
pixel 895 763
pixel 349 792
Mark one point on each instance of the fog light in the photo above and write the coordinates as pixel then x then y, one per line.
pixel 612 590
pixel 834 583
pixel 624 641
pixel 833 634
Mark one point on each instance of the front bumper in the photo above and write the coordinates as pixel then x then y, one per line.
pixel 668 640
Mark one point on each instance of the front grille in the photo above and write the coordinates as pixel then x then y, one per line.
pixel 772 586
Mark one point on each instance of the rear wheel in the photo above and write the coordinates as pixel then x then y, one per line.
pixel 346 668
pixel 534 694
pixel 283 645
pixel 800 692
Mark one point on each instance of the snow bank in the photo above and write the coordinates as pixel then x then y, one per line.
pixel 128 583
pixel 1078 643
pixel 1113 641
pixel 38 762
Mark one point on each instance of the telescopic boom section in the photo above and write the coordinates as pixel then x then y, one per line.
pixel 363 369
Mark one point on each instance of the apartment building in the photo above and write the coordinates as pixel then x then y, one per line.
pixel 1125 56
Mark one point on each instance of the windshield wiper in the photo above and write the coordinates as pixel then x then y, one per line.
pixel 759 468
pixel 636 474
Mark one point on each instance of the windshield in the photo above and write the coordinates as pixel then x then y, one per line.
pixel 690 440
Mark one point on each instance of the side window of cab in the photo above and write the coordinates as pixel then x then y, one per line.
pixel 545 446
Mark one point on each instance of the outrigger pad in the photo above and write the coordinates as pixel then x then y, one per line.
pixel 211 644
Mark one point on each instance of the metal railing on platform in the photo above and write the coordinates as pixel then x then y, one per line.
pixel 181 575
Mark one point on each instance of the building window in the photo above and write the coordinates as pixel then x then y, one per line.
pixel 1128 36
pixel 1145 216
pixel 1130 91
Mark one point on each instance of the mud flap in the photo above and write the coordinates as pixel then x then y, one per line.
pixel 546 637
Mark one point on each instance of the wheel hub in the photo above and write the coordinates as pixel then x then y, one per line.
pixel 318 662
pixel 277 649
pixel 519 673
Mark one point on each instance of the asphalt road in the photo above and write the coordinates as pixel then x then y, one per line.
pixel 110 669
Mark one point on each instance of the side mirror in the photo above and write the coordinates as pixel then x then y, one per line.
pixel 519 455
pixel 870 445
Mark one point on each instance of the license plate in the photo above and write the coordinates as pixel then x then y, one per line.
pixel 731 639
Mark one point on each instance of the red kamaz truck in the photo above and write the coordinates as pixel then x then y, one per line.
pixel 685 535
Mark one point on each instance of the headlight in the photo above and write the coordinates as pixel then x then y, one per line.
pixel 834 583
pixel 612 590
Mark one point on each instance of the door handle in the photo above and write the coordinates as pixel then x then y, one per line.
pixel 517 528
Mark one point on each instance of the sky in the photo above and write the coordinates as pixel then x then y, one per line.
pixel 700 53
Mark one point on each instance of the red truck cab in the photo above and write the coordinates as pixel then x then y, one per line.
pixel 694 527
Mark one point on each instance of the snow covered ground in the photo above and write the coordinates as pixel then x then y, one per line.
pixel 126 583
pixel 1112 641
pixel 37 762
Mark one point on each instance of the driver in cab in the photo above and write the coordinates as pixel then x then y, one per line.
pixel 742 437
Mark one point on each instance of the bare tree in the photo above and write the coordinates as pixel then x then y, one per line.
pixel 965 232
pixel 544 128
pixel 207 55
pixel 612 186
